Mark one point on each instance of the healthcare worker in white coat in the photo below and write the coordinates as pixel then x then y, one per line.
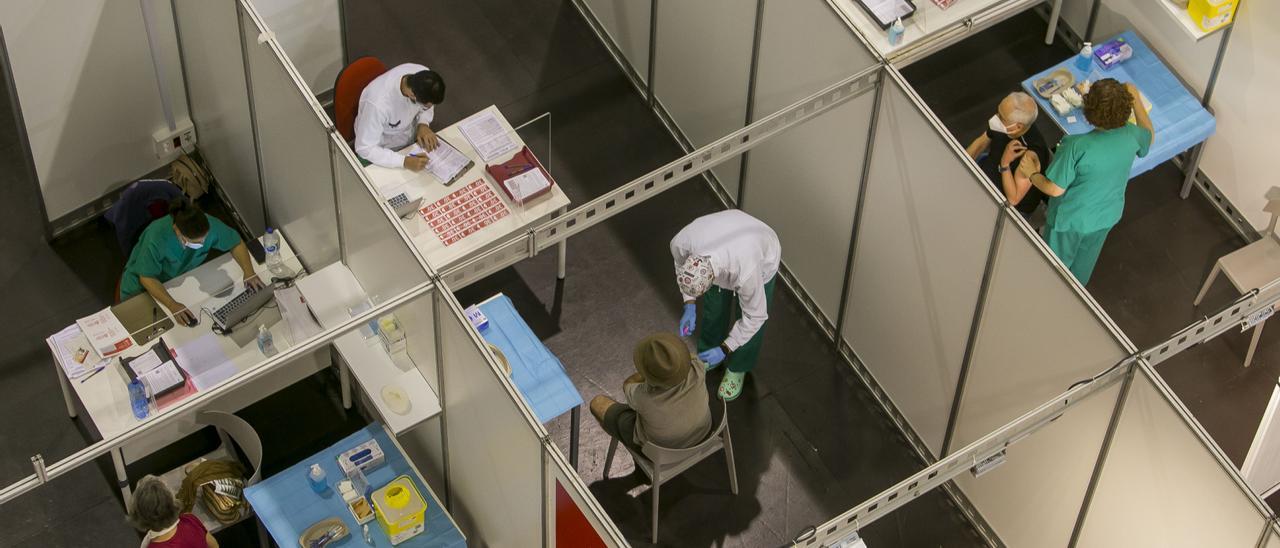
pixel 720 257
pixel 396 110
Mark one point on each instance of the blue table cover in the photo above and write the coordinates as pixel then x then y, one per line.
pixel 1180 121
pixel 536 372
pixel 287 506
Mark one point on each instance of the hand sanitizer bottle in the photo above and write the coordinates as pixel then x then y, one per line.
pixel 896 31
pixel 1085 59
pixel 266 342
pixel 316 479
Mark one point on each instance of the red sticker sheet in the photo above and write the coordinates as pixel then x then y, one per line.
pixel 464 212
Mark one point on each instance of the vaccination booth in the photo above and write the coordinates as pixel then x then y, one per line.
pixel 1042 422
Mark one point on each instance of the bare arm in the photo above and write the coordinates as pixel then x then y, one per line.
pixel 241 254
pixel 158 292
pixel 1140 112
pixel 1046 186
pixel 978 146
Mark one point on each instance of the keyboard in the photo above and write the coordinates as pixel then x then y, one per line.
pixel 242 306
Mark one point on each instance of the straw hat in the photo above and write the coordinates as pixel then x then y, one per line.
pixel 662 359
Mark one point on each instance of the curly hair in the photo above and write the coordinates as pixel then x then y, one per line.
pixel 1108 104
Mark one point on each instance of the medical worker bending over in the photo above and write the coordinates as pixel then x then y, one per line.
pixel 173 245
pixel 396 109
pixel 717 257
pixel 1089 174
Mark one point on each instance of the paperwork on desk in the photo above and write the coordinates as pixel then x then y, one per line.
pixel 302 324
pixel 205 361
pixel 487 136
pixel 105 333
pixel 155 371
pixel 529 184
pixel 445 162
pixel 68 342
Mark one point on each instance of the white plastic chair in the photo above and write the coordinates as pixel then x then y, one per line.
pixel 230 429
pixel 1252 266
pixel 662 463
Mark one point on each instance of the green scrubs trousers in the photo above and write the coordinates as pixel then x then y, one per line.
pixel 1078 250
pixel 716 323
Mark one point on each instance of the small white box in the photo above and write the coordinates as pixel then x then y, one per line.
pixel 364 457
pixel 476 317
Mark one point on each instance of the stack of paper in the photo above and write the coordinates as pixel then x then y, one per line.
pixel 445 162
pixel 527 185
pixel 105 333
pixel 487 136
pixel 71 343
pixel 157 374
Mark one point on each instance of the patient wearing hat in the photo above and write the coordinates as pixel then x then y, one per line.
pixel 666 398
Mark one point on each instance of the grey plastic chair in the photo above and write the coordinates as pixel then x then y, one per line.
pixel 662 463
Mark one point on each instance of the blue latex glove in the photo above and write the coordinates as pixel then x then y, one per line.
pixel 713 357
pixel 688 320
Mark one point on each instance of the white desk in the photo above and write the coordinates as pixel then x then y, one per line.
pixel 331 292
pixel 423 184
pixel 105 395
pixel 924 29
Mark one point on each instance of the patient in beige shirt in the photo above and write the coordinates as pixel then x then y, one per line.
pixel 667 402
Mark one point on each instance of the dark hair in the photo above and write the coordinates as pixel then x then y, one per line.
pixel 153 508
pixel 427 87
pixel 188 217
pixel 1108 104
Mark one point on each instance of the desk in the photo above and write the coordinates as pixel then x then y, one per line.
pixel 423 184
pixel 105 395
pixel 536 372
pixel 287 506
pixel 329 292
pixel 1179 119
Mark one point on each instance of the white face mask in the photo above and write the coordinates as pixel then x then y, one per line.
pixel 193 245
pixel 997 125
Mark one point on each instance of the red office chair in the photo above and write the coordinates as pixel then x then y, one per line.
pixel 346 92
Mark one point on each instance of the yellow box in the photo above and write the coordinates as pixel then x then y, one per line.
pixel 1211 15
pixel 400 509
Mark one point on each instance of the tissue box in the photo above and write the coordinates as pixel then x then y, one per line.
pixel 1113 53
pixel 364 457
pixel 476 317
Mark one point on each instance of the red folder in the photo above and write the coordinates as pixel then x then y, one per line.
pixel 522 161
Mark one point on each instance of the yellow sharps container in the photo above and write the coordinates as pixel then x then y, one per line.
pixel 400 509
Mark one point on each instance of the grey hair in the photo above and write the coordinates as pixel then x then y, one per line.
pixel 1025 110
pixel 154 508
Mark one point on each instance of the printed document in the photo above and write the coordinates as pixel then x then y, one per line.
pixel 445 162
pixel 105 333
pixel 162 377
pixel 487 136
pixel 527 184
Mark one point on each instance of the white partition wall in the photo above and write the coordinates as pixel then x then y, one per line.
pixel 703 69
pixel 311 33
pixel 923 242
pixel 627 24
pixel 293 146
pixel 1162 486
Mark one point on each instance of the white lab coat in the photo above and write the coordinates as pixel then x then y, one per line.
pixel 387 120
pixel 744 253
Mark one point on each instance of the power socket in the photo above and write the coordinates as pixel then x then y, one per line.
pixel 169 142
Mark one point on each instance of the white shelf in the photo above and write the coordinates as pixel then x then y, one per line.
pixel 1184 20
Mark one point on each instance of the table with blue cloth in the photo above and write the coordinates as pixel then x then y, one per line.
pixel 536 372
pixel 1180 121
pixel 287 506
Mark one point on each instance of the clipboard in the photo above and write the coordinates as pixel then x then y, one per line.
pixel 470 164
pixel 161 351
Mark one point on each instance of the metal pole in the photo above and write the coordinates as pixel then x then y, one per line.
pixel 1192 167
pixel 979 309
pixel 750 116
pixel 1107 439
pixel 444 406
pixel 253 115
pixel 863 185
pixel 1093 20
pixel 653 49
pixel 337 200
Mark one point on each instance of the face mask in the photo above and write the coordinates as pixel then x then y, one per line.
pixel 997 125
pixel 193 245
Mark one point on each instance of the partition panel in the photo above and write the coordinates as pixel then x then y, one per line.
pixel 1036 338
pixel 1162 486
pixel 1033 499
pixel 804 184
pixel 378 256
pixel 1273 540
pixel 627 24
pixel 804 47
pixel 703 70
pixel 293 145
pixel 494 449
pixel 923 242
pixel 213 66
pixel 574 518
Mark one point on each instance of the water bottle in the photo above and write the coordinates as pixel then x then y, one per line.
pixel 138 398
pixel 1085 60
pixel 316 479
pixel 896 31
pixel 271 244
pixel 266 342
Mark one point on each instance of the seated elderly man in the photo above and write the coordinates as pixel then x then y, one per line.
pixel 666 398
pixel 1010 137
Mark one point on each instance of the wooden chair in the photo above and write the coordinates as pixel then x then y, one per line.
pixel 1252 266
pixel 662 463
pixel 350 82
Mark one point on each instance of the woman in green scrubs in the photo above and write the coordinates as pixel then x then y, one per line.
pixel 173 245
pixel 1089 174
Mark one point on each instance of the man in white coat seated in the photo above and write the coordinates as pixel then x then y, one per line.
pixel 396 110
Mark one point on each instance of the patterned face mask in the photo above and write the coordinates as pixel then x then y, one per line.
pixel 695 276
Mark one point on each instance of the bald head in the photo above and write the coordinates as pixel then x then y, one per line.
pixel 1018 111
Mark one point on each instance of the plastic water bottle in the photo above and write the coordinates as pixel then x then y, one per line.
pixel 266 342
pixel 1085 60
pixel 316 479
pixel 896 31
pixel 275 264
pixel 138 399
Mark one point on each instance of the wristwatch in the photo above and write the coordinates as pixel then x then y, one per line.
pixel 1004 169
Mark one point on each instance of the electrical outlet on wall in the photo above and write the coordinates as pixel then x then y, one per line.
pixel 169 142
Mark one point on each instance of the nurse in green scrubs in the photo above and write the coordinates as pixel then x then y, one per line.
pixel 1089 174
pixel 173 245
